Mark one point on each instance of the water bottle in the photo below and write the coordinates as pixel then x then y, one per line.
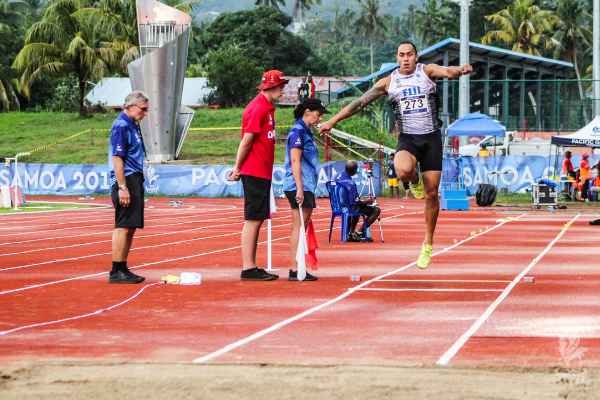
pixel 368 232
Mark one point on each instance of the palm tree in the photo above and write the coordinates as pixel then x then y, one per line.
pixel 62 44
pixel 117 20
pixel 12 18
pixel 524 26
pixel 272 3
pixel 430 23
pixel 572 33
pixel 305 5
pixel 371 22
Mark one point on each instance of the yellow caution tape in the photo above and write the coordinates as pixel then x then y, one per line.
pixel 60 141
pixel 352 150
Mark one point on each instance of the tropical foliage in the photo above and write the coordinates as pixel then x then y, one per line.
pixel 524 27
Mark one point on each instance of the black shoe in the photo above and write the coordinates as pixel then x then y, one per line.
pixel 353 237
pixel 257 274
pixel 293 276
pixel 595 222
pixel 125 276
pixel 361 235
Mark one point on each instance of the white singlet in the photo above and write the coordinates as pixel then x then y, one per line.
pixel 415 102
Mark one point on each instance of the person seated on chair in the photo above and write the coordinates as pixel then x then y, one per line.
pixel 363 206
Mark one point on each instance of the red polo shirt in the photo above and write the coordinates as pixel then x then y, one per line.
pixel 259 118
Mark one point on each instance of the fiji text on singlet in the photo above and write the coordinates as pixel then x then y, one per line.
pixel 415 102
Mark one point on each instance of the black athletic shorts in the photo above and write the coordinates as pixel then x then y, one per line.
pixel 366 210
pixel 426 148
pixel 309 199
pixel 256 197
pixel 133 215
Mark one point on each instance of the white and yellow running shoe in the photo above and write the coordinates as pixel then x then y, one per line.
pixel 417 189
pixel 425 257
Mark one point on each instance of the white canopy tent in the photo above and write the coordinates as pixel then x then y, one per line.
pixel 588 136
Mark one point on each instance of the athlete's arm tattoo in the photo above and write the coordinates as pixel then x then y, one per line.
pixel 370 96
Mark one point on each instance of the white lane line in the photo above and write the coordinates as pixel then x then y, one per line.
pixel 110 232
pixel 80 316
pixel 141 237
pixel 440 280
pixel 288 321
pixel 170 260
pixel 432 290
pixel 105 218
pixel 451 352
pixel 154 225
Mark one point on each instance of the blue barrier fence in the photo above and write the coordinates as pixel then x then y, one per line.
pixel 201 180
pixel 211 180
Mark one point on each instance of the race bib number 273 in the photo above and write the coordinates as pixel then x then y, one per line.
pixel 414 104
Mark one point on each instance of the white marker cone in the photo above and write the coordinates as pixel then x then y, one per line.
pixel 302 249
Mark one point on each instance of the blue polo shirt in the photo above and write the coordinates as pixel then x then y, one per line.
pixel 126 141
pixel 392 171
pixel 346 180
pixel 301 137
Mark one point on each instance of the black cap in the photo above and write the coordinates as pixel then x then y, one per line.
pixel 315 104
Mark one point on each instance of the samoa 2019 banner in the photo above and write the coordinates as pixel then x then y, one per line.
pixel 171 180
pixel 517 173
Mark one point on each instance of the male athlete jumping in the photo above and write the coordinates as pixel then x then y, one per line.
pixel 412 90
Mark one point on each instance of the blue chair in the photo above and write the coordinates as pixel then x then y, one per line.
pixel 339 198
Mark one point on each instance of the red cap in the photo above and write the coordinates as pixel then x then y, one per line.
pixel 272 79
pixel 585 156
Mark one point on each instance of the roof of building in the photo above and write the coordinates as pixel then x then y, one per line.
pixel 479 54
pixel 111 92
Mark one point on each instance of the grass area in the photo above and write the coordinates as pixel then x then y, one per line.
pixel 43 206
pixel 23 132
pixel 524 200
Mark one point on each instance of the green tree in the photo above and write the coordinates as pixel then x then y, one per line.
pixel 572 33
pixel 524 27
pixel 371 22
pixel 115 22
pixel 63 44
pixel 261 35
pixel 303 5
pixel 433 22
pixel 271 3
pixel 478 10
pixel 233 77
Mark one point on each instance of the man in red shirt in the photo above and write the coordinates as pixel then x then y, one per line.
pixel 254 166
pixel 567 170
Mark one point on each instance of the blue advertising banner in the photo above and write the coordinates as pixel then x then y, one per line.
pixel 517 173
pixel 172 180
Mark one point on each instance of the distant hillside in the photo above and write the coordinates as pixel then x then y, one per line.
pixel 211 7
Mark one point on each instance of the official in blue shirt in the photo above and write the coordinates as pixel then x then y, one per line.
pixel 364 206
pixel 301 162
pixel 126 156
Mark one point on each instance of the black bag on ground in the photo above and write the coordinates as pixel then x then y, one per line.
pixel 486 194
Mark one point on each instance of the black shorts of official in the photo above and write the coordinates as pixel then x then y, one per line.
pixel 132 216
pixel 257 193
pixel 309 199
pixel 368 211
pixel 427 149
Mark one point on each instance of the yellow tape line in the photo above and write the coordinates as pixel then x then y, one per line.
pixel 234 128
pixel 352 150
pixel 62 140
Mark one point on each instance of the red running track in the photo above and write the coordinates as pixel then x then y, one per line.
pixel 467 308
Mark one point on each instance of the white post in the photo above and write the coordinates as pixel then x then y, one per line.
pixel 596 57
pixel 15 178
pixel 463 91
pixel 269 244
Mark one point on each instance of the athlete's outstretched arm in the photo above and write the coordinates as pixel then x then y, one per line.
pixel 437 71
pixel 357 105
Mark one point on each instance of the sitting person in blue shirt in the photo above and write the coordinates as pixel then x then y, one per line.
pixel 363 206
pixel 301 163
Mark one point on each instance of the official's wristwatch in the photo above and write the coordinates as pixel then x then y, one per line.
pixel 123 187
